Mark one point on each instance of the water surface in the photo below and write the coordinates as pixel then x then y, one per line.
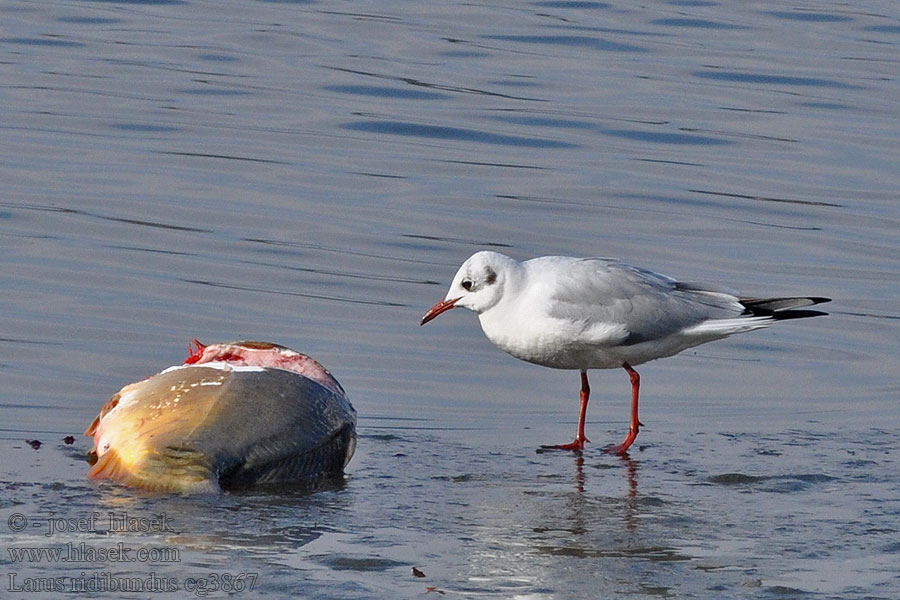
pixel 312 174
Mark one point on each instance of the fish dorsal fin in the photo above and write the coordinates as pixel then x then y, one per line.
pixel 110 404
pixel 92 428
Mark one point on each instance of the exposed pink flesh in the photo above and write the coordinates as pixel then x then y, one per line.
pixel 266 355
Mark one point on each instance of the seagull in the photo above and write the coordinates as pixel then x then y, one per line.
pixel 601 313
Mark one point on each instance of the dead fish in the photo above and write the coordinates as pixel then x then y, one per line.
pixel 233 415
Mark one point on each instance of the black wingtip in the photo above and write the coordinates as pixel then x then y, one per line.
pixel 820 299
pixel 784 307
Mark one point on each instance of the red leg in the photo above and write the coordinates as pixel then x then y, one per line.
pixel 635 423
pixel 580 438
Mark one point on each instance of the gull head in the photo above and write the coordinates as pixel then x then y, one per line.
pixel 478 285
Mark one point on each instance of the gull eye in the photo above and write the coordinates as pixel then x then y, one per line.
pixel 467 284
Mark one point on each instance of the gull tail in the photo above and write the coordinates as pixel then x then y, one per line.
pixel 779 309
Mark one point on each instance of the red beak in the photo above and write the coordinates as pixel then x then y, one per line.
pixel 438 308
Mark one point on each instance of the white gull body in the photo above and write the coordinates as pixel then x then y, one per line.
pixel 600 313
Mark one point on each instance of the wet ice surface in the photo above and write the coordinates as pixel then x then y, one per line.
pixel 743 515
pixel 313 174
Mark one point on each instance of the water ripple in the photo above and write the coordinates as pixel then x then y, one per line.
pixel 577 41
pixel 808 17
pixel 767 199
pixel 573 4
pixel 222 156
pixel 126 220
pixel 665 137
pixel 247 288
pixel 697 23
pixel 42 41
pixel 769 79
pixel 347 274
pixel 333 250
pixel 385 92
pixel 443 132
pixel 431 85
pixel 141 2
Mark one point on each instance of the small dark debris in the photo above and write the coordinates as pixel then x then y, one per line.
pixel 34 443
pixel 69 440
pixel 417 573
pixel 430 589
